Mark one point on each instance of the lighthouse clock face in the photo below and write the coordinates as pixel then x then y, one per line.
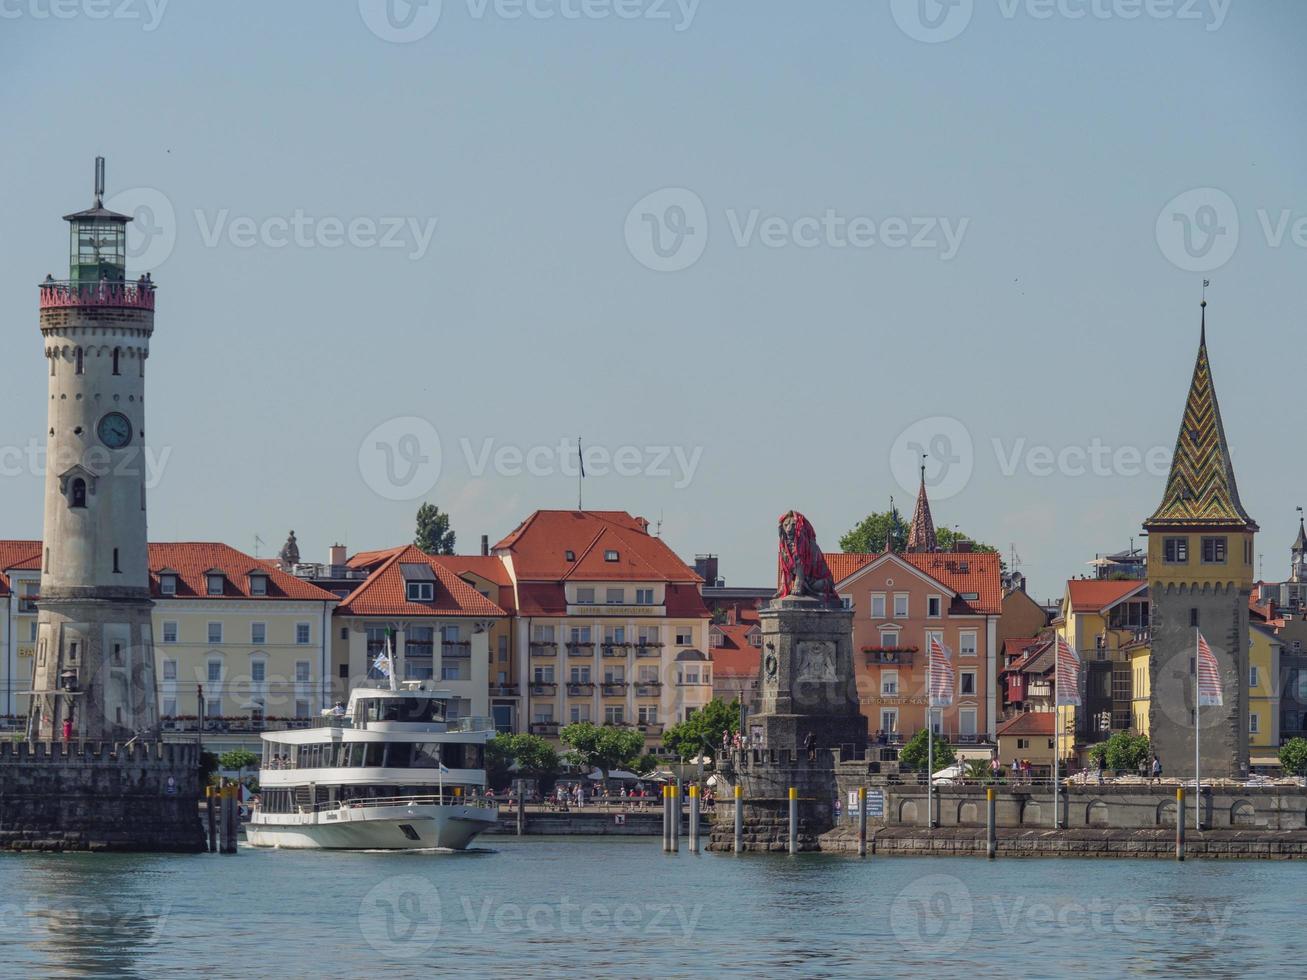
pixel 115 430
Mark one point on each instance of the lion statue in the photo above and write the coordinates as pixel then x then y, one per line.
pixel 801 567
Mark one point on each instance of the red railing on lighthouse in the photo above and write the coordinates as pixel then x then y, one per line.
pixel 56 294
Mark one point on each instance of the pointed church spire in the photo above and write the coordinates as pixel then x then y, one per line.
pixel 1201 489
pixel 1300 543
pixel 921 534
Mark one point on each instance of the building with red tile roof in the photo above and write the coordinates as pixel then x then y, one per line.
pixel 736 647
pixel 899 602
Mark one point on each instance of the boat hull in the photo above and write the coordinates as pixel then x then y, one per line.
pixel 373 828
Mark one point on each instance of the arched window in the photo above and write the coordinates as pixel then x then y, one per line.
pixel 115 561
pixel 115 360
pixel 78 495
pixel 81 366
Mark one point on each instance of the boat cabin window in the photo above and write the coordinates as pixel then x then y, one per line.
pixel 414 710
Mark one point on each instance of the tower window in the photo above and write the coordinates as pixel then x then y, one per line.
pixel 78 496
pixel 115 360
pixel 1175 551
pixel 1214 551
pixel 81 365
pixel 1193 618
pixel 115 561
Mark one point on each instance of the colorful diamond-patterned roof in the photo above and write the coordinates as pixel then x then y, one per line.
pixel 1201 489
pixel 921 535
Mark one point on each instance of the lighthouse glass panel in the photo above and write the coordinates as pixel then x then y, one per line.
pixel 99 250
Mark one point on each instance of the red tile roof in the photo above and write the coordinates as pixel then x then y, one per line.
pixel 1031 723
pixel 17 554
pixel 488 567
pixel 383 592
pixel 370 559
pixel 982 574
pixel 539 547
pixel 1092 595
pixel 192 560
pixel 736 657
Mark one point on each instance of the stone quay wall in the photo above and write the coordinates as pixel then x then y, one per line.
pixel 100 797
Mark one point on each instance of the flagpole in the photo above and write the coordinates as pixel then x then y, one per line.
pixel 580 472
pixel 1057 728
pixel 930 733
pixel 1198 786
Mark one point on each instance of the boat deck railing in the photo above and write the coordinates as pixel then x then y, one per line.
pixel 448 799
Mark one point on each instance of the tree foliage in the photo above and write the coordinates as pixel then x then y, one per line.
pixel 915 754
pixel 1123 752
pixel 1293 757
pixel 703 730
pixel 434 535
pixel 604 748
pixel 238 759
pixel 870 533
pixel 535 757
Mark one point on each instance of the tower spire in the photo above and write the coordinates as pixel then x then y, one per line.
pixel 921 535
pixel 1201 489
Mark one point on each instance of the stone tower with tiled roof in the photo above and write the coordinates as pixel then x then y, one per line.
pixel 1200 572
pixel 921 533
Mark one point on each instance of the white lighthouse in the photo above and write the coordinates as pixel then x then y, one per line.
pixel 94 673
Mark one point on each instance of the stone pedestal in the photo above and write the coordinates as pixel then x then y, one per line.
pixel 806 685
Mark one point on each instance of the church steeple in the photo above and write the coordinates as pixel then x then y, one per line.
pixel 921 534
pixel 1201 489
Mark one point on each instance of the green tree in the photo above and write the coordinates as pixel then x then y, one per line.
pixel 646 765
pixel 238 759
pixel 703 730
pixel 604 748
pixel 208 767
pixel 1293 757
pixel 869 535
pixel 914 755
pixel 536 759
pixel 1122 751
pixel 434 535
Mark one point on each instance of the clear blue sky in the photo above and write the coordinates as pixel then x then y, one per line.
pixel 1054 143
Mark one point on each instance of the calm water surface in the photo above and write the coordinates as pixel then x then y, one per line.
pixel 612 907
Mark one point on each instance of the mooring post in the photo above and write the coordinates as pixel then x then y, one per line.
pixel 667 822
pixel 1179 823
pixel 676 817
pixel 521 809
pixel 739 818
pixel 862 821
pixel 991 835
pixel 694 818
pixel 794 820
pixel 212 819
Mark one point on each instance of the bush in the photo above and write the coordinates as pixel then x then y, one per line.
pixel 1293 757
pixel 915 754
pixel 1122 752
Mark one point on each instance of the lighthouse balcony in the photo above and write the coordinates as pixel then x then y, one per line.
pixel 66 293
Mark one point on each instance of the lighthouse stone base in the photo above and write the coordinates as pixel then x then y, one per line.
pixel 100 797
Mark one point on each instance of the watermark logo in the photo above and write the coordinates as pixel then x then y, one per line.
pixel 949 453
pixel 667 231
pixel 303 230
pixel 148 12
pixel 400 21
pixel 152 232
pixel 570 918
pixel 1198 231
pixel 932 21
pixel 933 914
pixel 400 459
pixel 400 917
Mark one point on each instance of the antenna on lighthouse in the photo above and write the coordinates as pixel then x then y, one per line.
pixel 99 182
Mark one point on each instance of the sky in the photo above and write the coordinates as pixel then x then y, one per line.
pixel 757 256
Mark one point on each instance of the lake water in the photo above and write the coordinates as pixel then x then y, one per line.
pixel 619 907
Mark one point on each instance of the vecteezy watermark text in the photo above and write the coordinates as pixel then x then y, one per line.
pixel 303 230
pixel 149 12
pixel 33 459
pixel 405 21
pixel 936 21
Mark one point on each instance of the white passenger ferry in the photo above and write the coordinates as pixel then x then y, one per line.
pixel 387 772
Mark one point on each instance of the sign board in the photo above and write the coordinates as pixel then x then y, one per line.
pixel 619 819
pixel 876 803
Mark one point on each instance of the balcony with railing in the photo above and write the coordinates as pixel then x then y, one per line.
pixel 67 293
pixel 543 689
pixel 652 648
pixel 614 689
pixel 648 689
pixel 546 728
pixel 892 656
pixel 541 648
pixel 580 689
pixel 651 728
pixel 619 650
pixel 457 649
pixel 586 650
pixel 504 690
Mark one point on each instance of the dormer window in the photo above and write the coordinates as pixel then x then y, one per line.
pixel 258 584
pixel 569 555
pixel 167 584
pixel 610 555
pixel 419 581
pixel 421 591
pixel 214 583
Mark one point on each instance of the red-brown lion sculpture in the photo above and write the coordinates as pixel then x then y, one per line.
pixel 801 567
